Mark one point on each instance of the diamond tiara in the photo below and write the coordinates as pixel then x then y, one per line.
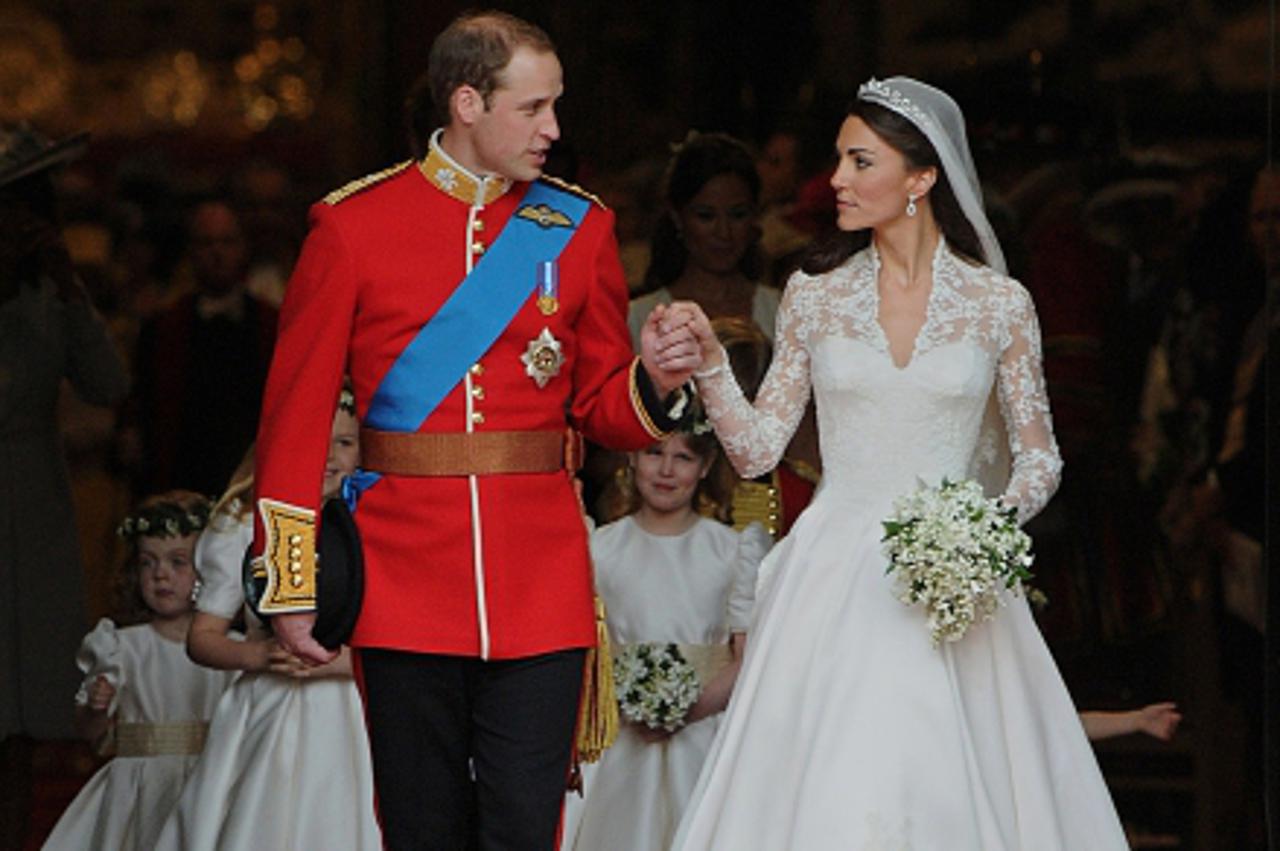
pixel 878 92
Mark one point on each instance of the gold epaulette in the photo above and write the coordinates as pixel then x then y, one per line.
pixel 362 183
pixel 574 188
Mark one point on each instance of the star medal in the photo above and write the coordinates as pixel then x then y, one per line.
pixel 548 287
pixel 542 358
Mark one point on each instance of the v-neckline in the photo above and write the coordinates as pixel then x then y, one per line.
pixel 928 308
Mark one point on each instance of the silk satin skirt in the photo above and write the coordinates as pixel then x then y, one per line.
pixel 286 766
pixel 848 729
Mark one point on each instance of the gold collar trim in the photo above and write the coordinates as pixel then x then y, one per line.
pixel 453 179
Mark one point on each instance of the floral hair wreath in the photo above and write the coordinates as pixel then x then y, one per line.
pixel 164 520
pixel 347 400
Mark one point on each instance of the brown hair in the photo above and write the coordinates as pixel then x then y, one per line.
pixel 905 138
pixel 695 162
pixel 621 497
pixel 130 607
pixel 472 51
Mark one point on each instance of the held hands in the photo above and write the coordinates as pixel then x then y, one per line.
pixel 677 324
pixel 670 348
pixel 276 660
pixel 293 632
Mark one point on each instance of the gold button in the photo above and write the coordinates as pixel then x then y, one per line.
pixel 477 417
pixel 295 581
pixel 295 539
pixel 477 369
pixel 477 392
pixel 295 567
pixel 295 553
pixel 477 247
pixel 478 225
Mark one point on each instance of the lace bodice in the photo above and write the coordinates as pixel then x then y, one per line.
pixel 883 427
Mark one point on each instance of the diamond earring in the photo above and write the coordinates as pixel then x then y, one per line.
pixel 911 205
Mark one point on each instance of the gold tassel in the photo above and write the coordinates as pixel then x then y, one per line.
pixel 598 709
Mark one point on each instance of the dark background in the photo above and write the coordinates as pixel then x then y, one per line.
pixel 182 94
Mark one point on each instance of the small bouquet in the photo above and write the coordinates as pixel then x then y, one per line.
pixel 655 684
pixel 951 549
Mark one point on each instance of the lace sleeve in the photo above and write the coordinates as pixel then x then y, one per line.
pixel 755 436
pixel 1024 404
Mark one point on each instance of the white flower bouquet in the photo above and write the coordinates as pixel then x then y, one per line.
pixel 951 550
pixel 655 684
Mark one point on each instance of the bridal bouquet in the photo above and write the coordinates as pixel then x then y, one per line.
pixel 655 684
pixel 951 549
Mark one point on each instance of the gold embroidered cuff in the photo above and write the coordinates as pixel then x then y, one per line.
pixel 288 558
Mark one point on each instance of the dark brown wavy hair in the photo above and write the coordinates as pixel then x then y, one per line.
pixel 701 157
pixel 905 138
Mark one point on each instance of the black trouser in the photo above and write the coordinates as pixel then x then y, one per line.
pixel 467 753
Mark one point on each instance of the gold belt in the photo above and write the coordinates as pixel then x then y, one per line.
pixel 706 659
pixel 180 739
pixel 469 453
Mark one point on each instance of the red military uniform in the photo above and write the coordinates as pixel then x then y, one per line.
pixel 494 566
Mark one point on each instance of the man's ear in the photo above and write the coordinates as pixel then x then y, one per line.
pixel 466 104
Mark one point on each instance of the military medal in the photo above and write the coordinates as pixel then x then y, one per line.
pixel 542 358
pixel 548 287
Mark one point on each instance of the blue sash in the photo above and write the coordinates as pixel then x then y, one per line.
pixel 475 315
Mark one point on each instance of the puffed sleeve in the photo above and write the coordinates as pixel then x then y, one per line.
pixel 100 656
pixel 219 561
pixel 753 544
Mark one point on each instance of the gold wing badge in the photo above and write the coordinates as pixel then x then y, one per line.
pixel 544 216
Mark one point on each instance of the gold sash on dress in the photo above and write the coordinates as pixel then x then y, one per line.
pixel 707 659
pixel 177 739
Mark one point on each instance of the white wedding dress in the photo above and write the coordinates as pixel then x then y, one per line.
pixel 847 728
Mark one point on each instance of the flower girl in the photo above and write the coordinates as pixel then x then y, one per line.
pixel 142 698
pixel 288 761
pixel 679 588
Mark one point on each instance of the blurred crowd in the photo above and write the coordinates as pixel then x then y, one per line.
pixel 1151 272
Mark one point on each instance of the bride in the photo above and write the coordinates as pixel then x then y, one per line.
pixel 848 729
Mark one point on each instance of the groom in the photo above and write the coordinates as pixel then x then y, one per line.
pixel 480 310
